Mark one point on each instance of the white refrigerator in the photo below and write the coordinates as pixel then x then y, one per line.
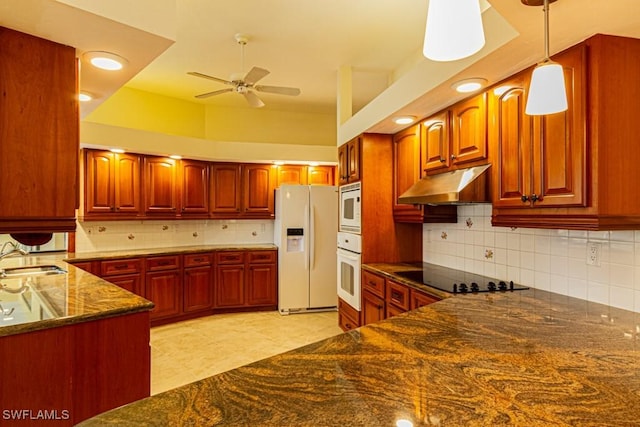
pixel 305 231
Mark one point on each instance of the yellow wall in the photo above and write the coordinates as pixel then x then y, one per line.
pixel 136 109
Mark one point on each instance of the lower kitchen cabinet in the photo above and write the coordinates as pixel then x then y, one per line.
pixel 262 276
pixel 130 282
pixel 126 273
pixel 420 299
pixel 230 285
pixel 163 283
pixel 246 279
pixel 348 317
pixel 197 283
pixel 373 308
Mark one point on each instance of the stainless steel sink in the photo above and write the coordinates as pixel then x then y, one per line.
pixel 32 270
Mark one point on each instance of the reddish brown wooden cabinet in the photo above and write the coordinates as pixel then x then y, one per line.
pixel 373 308
pixel 226 190
pixel 436 140
pixel 420 299
pixel 349 161
pixel 127 273
pixel 469 141
pixel 193 181
pixel 291 175
pixel 112 184
pixel 406 172
pixel 258 184
pixel 160 181
pixel 321 175
pixel 246 279
pixel 163 286
pixel 348 317
pixel 197 282
pixel 39 127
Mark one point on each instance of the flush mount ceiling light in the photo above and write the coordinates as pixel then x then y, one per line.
pixel 404 120
pixel 454 30
pixel 547 92
pixel 175 157
pixel 105 60
pixel 117 150
pixel 469 85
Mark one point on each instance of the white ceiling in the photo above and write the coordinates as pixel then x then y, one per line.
pixel 303 43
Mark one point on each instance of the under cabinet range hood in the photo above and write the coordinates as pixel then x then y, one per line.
pixel 458 187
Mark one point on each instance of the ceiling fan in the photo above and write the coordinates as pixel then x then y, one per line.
pixel 246 84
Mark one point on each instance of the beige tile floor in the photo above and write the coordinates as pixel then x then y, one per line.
pixel 188 351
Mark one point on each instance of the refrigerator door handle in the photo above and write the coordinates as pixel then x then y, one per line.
pixel 306 228
pixel 312 237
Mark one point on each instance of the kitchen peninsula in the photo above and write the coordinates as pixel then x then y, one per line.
pixel 507 358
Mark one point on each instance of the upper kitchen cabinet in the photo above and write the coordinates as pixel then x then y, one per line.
pixel 455 138
pixel 561 170
pixel 38 134
pixel 406 172
pixel 112 184
pixel 321 175
pixel 291 175
pixel 349 161
pixel 242 191
pixel 160 178
pixel 194 188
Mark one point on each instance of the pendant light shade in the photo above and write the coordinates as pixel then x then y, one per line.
pixel 454 30
pixel 547 92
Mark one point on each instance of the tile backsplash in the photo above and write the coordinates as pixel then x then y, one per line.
pixel 119 235
pixel 552 260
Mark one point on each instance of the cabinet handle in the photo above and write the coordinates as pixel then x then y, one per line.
pixel 396 295
pixel 163 263
pixel 184 209
pixel 524 198
pixel 372 283
pixel 121 266
pixel 198 259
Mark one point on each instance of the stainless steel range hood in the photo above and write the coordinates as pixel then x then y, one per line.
pixel 458 187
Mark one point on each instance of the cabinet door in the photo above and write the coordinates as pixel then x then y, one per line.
pixel 258 184
pixel 194 187
pixel 406 171
pixel 469 130
pixel 127 183
pixel 321 175
pixel 198 289
pixel 435 143
pixel 353 159
pixel 510 134
pixel 130 282
pixel 230 285
pixel 39 126
pixel 225 190
pixel 160 185
pixel 99 182
pixel 291 175
pixel 420 299
pixel 559 144
pixel 343 176
pixel 372 308
pixel 164 289
pixel 262 285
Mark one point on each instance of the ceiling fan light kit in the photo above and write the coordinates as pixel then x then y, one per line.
pixel 547 91
pixel 245 84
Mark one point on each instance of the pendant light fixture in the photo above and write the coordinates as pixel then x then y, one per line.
pixel 454 30
pixel 547 92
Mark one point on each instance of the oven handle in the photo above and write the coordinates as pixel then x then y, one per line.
pixel 348 255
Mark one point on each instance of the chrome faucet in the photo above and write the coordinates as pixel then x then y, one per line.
pixel 16 250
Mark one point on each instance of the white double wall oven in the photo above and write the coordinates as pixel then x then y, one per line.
pixel 349 245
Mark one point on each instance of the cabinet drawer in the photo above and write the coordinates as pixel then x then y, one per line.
pixel 170 262
pixel 420 299
pixel 258 257
pixel 120 266
pixel 349 316
pixel 230 257
pixel 373 283
pixel 195 260
pixel 398 295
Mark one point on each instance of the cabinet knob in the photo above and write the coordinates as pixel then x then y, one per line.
pixel 453 157
pixel 442 160
pixel 535 198
pixel 524 198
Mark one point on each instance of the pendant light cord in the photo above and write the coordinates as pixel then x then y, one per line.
pixel 546 29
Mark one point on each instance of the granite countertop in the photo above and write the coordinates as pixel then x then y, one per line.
pixel 128 253
pixel 48 301
pixel 529 358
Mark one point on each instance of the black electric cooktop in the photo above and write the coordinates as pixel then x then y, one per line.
pixel 458 281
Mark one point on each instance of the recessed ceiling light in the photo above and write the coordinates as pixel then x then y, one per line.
pixel 175 157
pixel 278 163
pixel 469 85
pixel 84 97
pixel 404 120
pixel 313 164
pixel 105 60
pixel 117 150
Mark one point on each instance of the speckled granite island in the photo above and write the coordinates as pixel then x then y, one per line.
pixel 526 358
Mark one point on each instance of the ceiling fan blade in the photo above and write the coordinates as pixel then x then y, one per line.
pixel 255 74
pixel 253 99
pixel 281 90
pixel 204 76
pixel 215 92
